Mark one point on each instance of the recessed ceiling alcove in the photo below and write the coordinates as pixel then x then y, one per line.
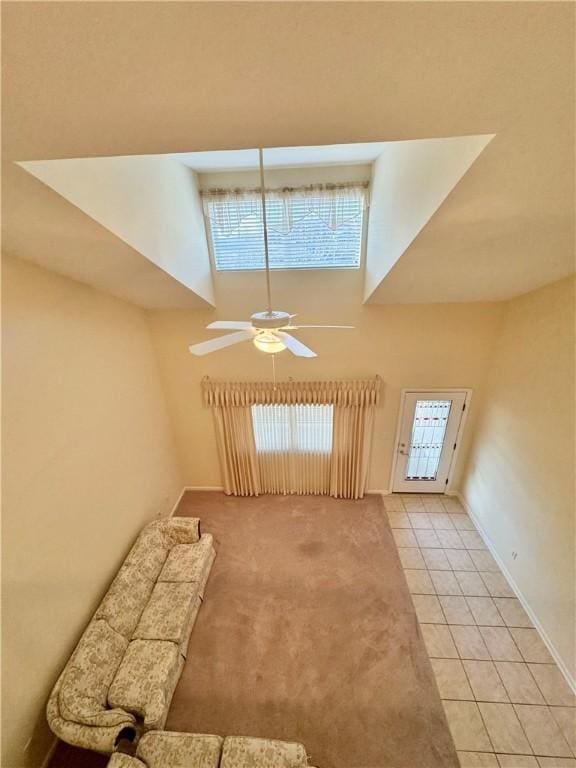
pixel 152 203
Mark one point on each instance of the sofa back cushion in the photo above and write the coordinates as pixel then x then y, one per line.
pixel 88 675
pixel 149 551
pixel 126 599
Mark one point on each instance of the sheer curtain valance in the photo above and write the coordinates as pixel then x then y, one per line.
pixel 335 204
pixel 294 436
pixel 322 189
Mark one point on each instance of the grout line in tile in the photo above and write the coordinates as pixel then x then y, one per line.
pixel 508 754
pixel 483 723
pixel 539 687
pixel 465 657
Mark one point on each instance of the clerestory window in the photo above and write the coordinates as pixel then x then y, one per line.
pixel 314 227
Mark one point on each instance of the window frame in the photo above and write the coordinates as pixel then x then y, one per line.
pixel 349 268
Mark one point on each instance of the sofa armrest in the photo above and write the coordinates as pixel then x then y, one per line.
pixel 181 530
pixel 98 738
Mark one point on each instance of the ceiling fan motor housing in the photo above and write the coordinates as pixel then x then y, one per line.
pixel 274 319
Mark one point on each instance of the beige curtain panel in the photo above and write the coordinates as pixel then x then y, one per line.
pixel 305 437
pixel 237 450
pixel 352 441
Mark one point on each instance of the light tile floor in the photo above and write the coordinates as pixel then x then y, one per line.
pixel 506 702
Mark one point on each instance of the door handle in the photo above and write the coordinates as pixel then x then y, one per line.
pixel 404 453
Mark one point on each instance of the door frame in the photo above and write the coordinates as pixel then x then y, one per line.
pixel 413 390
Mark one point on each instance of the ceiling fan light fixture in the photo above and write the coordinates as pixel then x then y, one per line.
pixel 266 341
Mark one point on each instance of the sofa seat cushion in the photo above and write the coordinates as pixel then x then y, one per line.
pixel 166 615
pixel 246 752
pixel 120 760
pixel 146 678
pixel 126 599
pixel 88 675
pixel 163 749
pixel 188 562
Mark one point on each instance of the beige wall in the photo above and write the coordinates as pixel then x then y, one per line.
pixel 87 460
pixel 409 346
pixel 519 480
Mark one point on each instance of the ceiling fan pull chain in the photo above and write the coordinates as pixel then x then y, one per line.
pixel 266 257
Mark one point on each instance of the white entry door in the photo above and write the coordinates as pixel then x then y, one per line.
pixel 427 439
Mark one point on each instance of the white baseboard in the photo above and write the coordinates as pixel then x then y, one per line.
pixel 193 488
pixel 525 604
pixel 387 492
pixel 178 500
pixel 221 490
pixel 50 753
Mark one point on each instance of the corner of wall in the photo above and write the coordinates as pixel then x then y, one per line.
pixel 518 478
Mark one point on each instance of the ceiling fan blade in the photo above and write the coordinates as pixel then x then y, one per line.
pixel 205 347
pixel 296 327
pixel 230 325
pixel 295 346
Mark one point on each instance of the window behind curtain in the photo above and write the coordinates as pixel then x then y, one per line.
pixel 313 229
pixel 292 428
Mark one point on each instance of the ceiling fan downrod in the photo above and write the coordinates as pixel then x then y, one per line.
pixel 268 331
pixel 266 256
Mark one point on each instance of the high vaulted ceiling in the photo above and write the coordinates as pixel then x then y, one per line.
pixel 100 79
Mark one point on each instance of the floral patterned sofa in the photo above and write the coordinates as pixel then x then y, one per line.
pixel 120 679
pixel 166 749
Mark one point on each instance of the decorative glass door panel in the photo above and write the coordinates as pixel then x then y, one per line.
pixel 427 439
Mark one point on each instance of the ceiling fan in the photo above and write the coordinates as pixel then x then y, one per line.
pixel 268 330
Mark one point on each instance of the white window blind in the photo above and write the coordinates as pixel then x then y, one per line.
pixel 292 428
pixel 317 227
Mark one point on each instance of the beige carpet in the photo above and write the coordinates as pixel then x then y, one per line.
pixel 307 633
